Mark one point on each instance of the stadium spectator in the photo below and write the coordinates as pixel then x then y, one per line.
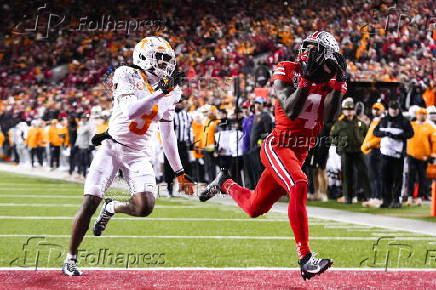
pixel 82 144
pixel 183 129
pixel 228 138
pixel 208 141
pixel 371 148
pixel 262 126
pixel 419 149
pixel 72 133
pixel 198 162
pixel 33 142
pixel 317 162
pixel 247 123
pixel 56 141
pixel 394 130
pixel 350 128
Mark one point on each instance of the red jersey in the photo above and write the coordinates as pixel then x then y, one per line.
pixel 310 121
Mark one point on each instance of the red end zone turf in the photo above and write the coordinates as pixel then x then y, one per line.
pixel 223 279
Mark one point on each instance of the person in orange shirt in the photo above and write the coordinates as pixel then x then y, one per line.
pixel 33 141
pixel 2 140
pixel 419 149
pixel 371 148
pixel 56 139
pixel 208 141
pixel 198 163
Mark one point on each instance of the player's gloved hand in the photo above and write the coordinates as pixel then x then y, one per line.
pixel 168 84
pixel 341 74
pixel 312 69
pixel 98 138
pixel 185 183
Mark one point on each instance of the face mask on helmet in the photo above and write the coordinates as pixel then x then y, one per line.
pixel 323 40
pixel 163 64
pixel 303 53
pixel 155 55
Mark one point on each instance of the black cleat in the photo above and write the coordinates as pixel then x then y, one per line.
pixel 102 220
pixel 69 268
pixel 311 266
pixel 215 186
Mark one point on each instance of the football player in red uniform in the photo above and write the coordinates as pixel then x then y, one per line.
pixel 309 93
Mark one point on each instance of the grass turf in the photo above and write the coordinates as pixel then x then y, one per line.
pixel 184 233
pixel 414 212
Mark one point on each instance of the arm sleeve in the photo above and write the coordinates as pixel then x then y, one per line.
pixel 408 130
pixel 169 142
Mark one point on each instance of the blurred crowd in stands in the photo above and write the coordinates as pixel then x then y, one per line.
pixel 55 77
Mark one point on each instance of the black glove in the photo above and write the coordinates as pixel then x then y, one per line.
pixel 91 148
pixel 98 138
pixel 313 68
pixel 341 74
pixel 168 84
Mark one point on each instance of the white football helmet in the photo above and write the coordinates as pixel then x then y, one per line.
pixel 155 54
pixel 325 41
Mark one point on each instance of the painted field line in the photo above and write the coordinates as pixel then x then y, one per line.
pixel 42 188
pixel 366 269
pixel 143 219
pixel 78 205
pixel 221 237
pixel 395 234
pixel 41 196
pixel 32 184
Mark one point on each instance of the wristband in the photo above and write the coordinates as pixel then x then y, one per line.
pixel 304 83
pixel 337 86
pixel 180 172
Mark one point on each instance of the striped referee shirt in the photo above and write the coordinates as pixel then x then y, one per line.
pixel 183 126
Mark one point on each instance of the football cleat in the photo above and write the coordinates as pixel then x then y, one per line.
pixel 215 186
pixel 102 220
pixel 311 266
pixel 69 268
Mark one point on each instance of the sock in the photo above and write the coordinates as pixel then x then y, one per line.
pixel 239 194
pixel 70 257
pixel 298 218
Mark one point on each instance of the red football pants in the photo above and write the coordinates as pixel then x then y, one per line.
pixel 282 175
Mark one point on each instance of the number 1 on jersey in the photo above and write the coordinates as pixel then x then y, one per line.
pixel 148 118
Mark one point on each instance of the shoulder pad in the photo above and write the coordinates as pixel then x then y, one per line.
pixel 123 71
pixel 286 71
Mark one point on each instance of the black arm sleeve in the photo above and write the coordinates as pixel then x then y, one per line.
pixel 408 130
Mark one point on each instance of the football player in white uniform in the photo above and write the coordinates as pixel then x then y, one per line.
pixel 144 95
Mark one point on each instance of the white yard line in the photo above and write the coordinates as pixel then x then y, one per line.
pixel 78 205
pixel 39 189
pixel 41 196
pixel 220 269
pixel 144 219
pixel 221 237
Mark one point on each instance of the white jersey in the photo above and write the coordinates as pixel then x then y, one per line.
pixel 129 85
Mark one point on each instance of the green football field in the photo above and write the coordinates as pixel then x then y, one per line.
pixel 36 216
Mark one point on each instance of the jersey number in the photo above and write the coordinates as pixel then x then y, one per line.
pixel 310 110
pixel 148 118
